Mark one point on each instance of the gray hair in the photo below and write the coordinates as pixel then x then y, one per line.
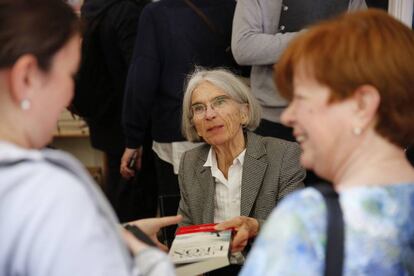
pixel 228 83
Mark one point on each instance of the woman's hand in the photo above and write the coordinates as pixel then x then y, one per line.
pixel 133 243
pixel 245 227
pixel 125 170
pixel 150 226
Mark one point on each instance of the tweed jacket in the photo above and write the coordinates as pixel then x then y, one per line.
pixel 271 170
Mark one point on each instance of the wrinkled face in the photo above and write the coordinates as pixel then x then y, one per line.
pixel 321 128
pixel 54 93
pixel 217 118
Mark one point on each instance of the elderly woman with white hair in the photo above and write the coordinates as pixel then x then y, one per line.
pixel 236 173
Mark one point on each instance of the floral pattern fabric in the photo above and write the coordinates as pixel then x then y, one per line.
pixel 379 234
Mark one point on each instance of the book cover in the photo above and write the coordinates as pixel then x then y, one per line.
pixel 197 249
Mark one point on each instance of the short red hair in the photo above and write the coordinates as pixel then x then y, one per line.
pixel 355 49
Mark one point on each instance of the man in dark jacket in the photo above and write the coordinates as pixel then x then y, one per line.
pixel 117 29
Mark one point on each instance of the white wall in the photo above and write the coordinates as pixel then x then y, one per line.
pixel 402 9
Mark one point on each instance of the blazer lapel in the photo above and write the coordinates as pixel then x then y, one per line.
pixel 207 185
pixel 254 168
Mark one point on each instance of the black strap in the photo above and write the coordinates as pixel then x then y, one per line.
pixel 200 13
pixel 207 21
pixel 139 234
pixel 334 253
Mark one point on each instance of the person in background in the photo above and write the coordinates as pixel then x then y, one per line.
pixel 54 219
pixel 349 81
pixel 236 174
pixel 262 29
pixel 177 35
pixel 116 29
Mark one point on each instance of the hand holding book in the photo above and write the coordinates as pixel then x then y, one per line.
pixel 245 228
pixel 150 227
pixel 197 249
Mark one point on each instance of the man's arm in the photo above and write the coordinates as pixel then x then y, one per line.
pixel 125 24
pixel 142 81
pixel 255 38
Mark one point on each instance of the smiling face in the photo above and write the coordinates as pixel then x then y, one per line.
pixel 221 123
pixel 322 129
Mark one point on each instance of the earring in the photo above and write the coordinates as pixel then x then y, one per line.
pixel 25 104
pixel 357 131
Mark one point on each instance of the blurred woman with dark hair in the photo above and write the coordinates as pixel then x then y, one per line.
pixel 54 220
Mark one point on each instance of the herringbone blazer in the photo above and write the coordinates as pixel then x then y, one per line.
pixel 271 170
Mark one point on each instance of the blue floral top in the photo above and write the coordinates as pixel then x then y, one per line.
pixel 379 234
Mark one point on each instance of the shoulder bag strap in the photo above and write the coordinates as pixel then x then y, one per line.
pixel 200 13
pixel 334 253
pixel 207 21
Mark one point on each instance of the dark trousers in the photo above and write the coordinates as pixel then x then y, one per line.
pixel 272 129
pixel 135 198
pixel 168 196
pixel 112 180
pixel 167 181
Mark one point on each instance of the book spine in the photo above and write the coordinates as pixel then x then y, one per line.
pixel 196 228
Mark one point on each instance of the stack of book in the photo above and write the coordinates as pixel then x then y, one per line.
pixel 200 248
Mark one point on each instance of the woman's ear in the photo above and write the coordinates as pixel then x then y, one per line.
pixel 367 99
pixel 244 113
pixel 24 78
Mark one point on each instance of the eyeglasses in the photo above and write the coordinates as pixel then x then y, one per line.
pixel 218 103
